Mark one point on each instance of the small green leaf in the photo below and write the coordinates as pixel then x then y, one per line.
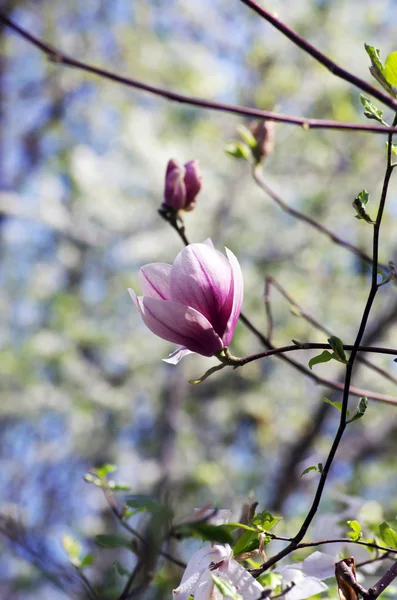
pixel 238 150
pixel 120 570
pixel 143 503
pixel 377 69
pixel 337 346
pixel 371 111
pixel 247 542
pixel 112 541
pixel 247 136
pixel 380 272
pixel 236 525
pixel 226 589
pixel 363 196
pixel 72 548
pixel 390 70
pixel 118 487
pixel 359 204
pixel 360 410
pixel 321 358
pixel 265 521
pixel 105 470
pixel 356 534
pixel 212 533
pixel 335 403
pixel 88 560
pixel 312 468
pixel 388 535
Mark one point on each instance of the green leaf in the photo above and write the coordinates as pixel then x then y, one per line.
pixel 356 534
pixel 112 541
pixel 321 358
pixel 265 521
pixel 120 570
pixel 236 525
pixel 388 535
pixel 247 542
pixel 371 111
pixel 318 469
pixel 212 533
pixel 105 470
pixel 359 204
pixel 143 503
pixel 225 588
pixel 380 272
pixel 390 70
pixel 118 487
pixel 360 410
pixel 247 136
pixel 88 560
pixel 238 150
pixel 337 346
pixel 72 548
pixel 335 403
pixel 363 196
pixel 377 69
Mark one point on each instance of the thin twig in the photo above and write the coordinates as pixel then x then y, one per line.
pixel 379 587
pixel 349 368
pixel 115 510
pixel 320 57
pixel 258 177
pixel 270 281
pixel 239 362
pixel 58 57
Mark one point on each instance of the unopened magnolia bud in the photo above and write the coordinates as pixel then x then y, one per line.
pixel 182 184
pixel 263 132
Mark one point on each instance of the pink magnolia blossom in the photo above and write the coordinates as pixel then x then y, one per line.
pixel 182 184
pixel 195 302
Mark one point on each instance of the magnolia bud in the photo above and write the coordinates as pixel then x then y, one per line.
pixel 182 184
pixel 263 132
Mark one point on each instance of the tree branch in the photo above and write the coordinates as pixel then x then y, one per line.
pixel 320 57
pixel 58 57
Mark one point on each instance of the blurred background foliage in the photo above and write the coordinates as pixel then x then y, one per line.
pixel 82 168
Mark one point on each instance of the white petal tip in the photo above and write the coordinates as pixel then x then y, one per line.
pixel 175 357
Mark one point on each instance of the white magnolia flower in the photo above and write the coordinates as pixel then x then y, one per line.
pixel 217 560
pixel 307 575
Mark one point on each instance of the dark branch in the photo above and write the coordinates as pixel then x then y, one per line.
pixel 320 57
pixel 59 57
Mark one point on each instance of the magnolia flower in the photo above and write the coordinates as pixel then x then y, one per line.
pixel 216 560
pixel 195 302
pixel 182 184
pixel 307 575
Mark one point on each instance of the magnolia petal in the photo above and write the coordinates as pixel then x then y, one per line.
pixel 180 324
pixel 198 566
pixel 245 584
pixel 305 588
pixel 206 589
pixel 209 243
pixel 184 590
pixel 155 281
pixel 175 357
pixel 238 292
pixel 201 277
pixel 320 565
pixel 175 189
pixel 192 180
